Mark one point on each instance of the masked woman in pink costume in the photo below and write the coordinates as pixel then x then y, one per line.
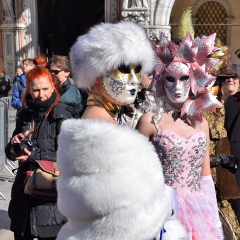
pixel 179 132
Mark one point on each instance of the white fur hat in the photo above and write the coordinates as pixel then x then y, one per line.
pixel 105 47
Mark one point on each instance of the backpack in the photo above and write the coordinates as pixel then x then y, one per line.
pixel 20 85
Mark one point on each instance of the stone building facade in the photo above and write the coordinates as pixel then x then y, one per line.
pixel 32 27
pixel 18 32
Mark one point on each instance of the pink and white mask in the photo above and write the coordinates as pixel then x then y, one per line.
pixel 122 84
pixel 177 82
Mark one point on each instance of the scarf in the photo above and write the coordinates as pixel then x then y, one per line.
pixel 41 107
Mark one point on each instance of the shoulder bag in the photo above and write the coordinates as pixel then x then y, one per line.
pixel 41 179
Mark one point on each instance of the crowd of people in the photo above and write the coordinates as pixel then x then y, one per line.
pixel 136 130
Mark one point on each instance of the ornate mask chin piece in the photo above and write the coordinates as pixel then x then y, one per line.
pixel 122 84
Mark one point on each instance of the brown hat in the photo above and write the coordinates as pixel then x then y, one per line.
pixel 228 72
pixel 237 53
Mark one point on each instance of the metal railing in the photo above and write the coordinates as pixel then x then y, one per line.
pixel 5 124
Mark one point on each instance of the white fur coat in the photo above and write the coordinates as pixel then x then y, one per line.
pixel 111 184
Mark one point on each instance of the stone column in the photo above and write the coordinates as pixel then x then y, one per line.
pixel 154 15
pixel 112 10
pixel 31 31
pixel 160 16
pixel 7 31
pixel 20 31
pixel 7 39
pixel 136 11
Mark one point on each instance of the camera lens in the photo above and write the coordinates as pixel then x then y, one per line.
pixel 16 150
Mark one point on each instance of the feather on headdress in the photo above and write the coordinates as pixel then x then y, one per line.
pixel 186 24
pixel 225 68
pixel 196 55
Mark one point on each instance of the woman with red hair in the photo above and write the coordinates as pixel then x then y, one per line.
pixel 42 112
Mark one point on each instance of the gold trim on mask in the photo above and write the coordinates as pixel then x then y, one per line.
pixel 100 101
pixel 127 76
pixel 122 78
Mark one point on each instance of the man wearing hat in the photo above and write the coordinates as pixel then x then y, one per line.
pixel 232 121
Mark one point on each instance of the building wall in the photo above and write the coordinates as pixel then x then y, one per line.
pixel 19 33
pixel 233 18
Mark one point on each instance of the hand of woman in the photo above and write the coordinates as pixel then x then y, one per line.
pixel 25 156
pixel 17 139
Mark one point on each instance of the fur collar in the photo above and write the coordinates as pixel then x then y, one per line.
pixel 111 183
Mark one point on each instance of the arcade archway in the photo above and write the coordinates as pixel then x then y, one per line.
pixel 61 22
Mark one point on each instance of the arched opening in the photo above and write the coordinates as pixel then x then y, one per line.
pixel 61 22
pixel 212 16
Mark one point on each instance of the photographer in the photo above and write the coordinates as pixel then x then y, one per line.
pixel 41 117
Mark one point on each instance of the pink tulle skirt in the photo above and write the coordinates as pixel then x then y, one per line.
pixel 196 214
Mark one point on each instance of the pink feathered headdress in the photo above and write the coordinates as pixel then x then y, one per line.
pixel 196 54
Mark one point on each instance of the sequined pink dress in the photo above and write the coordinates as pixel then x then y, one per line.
pixel 181 161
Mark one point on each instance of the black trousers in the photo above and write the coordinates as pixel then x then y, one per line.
pixel 235 204
pixel 17 237
pixel 27 234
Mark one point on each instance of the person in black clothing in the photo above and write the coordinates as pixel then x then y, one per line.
pixel 232 124
pixel 5 83
pixel 40 105
pixel 19 72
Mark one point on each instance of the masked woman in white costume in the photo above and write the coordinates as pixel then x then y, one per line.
pixel 179 132
pixel 111 184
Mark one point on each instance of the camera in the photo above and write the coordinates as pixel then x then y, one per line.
pixel 17 149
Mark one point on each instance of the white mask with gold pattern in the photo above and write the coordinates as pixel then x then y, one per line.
pixel 122 84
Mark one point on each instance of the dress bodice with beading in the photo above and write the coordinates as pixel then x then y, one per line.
pixel 182 161
pixel 181 158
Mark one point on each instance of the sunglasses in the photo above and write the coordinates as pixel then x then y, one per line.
pixel 228 78
pixel 126 69
pixel 56 72
pixel 26 64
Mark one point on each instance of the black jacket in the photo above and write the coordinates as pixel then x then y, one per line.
pixel 5 85
pixel 232 125
pixel 45 134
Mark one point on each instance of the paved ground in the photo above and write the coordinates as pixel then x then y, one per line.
pixel 6 180
pixel 5 190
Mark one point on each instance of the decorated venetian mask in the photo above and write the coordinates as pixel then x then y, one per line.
pixel 177 82
pixel 122 84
